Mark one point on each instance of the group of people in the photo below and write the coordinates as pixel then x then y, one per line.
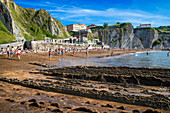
pixel 11 51
pixel 61 51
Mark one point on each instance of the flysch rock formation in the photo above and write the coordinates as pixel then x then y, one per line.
pixel 119 37
pixel 125 36
pixel 147 36
pixel 166 42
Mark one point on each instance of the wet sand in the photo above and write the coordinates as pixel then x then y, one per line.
pixel 16 98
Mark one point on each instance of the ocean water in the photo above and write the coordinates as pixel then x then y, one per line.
pixel 157 59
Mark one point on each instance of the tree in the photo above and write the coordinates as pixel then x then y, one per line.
pixel 105 25
pixel 118 23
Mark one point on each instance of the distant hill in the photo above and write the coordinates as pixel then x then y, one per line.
pixel 17 23
pixel 163 29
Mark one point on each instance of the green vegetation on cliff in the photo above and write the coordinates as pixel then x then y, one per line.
pixel 5 35
pixel 163 29
pixel 98 28
pixel 146 28
pixel 36 23
pixel 32 24
pixel 157 42
pixel 120 25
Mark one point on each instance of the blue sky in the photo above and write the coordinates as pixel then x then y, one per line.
pixel 155 12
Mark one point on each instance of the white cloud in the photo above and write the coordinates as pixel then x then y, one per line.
pixel 108 13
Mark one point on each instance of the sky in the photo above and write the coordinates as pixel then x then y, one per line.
pixel 154 12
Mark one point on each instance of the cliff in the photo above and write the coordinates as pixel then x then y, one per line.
pixel 119 36
pixel 125 36
pixel 165 39
pixel 19 23
pixel 147 36
pixel 164 36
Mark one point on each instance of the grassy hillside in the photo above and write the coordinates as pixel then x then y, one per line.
pixel 35 23
pixel 93 29
pixel 5 35
pixel 32 24
pixel 120 25
pixel 163 29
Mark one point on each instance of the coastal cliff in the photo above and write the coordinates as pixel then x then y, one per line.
pixel 125 36
pixel 119 36
pixel 17 23
pixel 147 36
pixel 165 40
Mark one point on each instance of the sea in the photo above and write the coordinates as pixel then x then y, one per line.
pixel 154 59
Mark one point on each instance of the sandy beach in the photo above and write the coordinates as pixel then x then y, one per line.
pixel 17 97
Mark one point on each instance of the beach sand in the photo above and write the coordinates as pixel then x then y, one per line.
pixel 16 98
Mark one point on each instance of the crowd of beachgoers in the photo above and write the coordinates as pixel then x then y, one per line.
pixel 11 51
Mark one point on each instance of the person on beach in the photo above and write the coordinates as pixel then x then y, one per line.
pixel 62 51
pixel 18 52
pixel 69 50
pixel 50 53
pixel 74 51
pixel 112 53
pixel 2 50
pixel 56 51
pixel 87 53
pixel 8 51
pixel 66 50
pixel 12 51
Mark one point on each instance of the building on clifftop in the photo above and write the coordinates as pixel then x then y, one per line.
pixel 76 27
pixel 144 26
pixel 91 26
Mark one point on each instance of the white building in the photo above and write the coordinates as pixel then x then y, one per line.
pixel 76 27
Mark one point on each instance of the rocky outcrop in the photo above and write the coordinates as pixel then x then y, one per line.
pixel 125 36
pixel 120 36
pixel 145 76
pixel 29 23
pixel 165 39
pixel 147 36
pixel 5 16
pixel 154 100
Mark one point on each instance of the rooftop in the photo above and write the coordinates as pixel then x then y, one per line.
pixel 78 24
